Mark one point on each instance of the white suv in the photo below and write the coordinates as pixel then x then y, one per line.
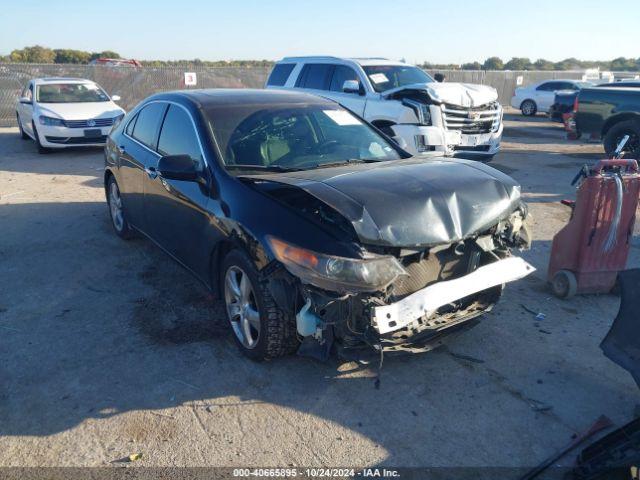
pixel 62 112
pixel 424 116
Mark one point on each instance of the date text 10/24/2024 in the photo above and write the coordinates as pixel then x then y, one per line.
pixel 315 472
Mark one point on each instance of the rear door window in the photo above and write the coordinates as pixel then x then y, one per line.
pixel 341 74
pixel 280 74
pixel 178 136
pixel 148 123
pixel 130 125
pixel 316 76
pixel 549 86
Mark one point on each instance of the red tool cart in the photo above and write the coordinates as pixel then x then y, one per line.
pixel 588 253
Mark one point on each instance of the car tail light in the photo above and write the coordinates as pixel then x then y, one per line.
pixel 575 104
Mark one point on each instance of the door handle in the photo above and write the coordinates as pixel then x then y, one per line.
pixel 151 171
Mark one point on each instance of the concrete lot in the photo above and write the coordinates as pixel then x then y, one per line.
pixel 109 348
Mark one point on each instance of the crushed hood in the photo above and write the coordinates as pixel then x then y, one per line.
pixel 461 94
pixel 412 202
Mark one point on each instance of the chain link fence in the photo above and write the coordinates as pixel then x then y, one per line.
pixel 133 84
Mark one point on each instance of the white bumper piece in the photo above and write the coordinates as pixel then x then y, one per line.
pixel 388 318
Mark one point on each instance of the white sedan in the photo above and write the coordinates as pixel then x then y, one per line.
pixel 63 112
pixel 539 96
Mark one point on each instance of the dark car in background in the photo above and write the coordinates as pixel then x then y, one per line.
pixel 313 227
pixel 564 100
pixel 610 113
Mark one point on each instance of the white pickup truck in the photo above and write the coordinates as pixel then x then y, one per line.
pixel 425 117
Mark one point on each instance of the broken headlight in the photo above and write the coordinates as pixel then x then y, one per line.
pixel 420 109
pixel 333 273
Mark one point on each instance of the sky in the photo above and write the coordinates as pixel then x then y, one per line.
pixel 443 31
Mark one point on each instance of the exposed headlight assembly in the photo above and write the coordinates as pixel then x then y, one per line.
pixel 420 109
pixel 116 120
pixel 51 121
pixel 339 274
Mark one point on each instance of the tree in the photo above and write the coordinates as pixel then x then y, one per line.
pixel 568 64
pixel 542 64
pixel 493 63
pixel 621 63
pixel 65 55
pixel 104 54
pixel 35 54
pixel 471 66
pixel 518 63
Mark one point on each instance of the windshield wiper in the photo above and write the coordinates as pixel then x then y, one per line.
pixel 267 168
pixel 347 161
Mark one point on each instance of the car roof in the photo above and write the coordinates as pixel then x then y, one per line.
pixel 45 80
pixel 243 96
pixel 358 60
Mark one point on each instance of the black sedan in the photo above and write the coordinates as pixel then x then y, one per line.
pixel 315 228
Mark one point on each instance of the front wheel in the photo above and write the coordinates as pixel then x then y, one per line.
pixel 528 108
pixel 261 329
pixel 617 133
pixel 36 135
pixel 23 135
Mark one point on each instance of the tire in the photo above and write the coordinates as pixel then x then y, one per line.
pixel 41 149
pixel 272 331
pixel 117 212
pixel 23 135
pixel 615 134
pixel 528 108
pixel 564 284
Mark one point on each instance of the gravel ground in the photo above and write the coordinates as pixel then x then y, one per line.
pixel 109 348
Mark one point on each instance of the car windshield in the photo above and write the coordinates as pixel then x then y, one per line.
pixel 584 84
pixel 299 137
pixel 70 93
pixel 386 77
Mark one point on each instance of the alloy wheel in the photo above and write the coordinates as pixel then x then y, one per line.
pixel 115 207
pixel 242 307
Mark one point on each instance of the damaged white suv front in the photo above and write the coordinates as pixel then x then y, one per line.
pixel 425 117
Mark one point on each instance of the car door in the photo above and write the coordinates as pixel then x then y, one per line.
pixel 136 152
pixel 545 93
pixel 317 78
pixel 176 210
pixel 354 101
pixel 25 109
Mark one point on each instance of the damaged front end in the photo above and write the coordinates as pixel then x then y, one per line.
pixel 394 298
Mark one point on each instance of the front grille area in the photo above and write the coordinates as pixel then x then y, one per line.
pixel 76 140
pixel 477 148
pixel 472 120
pixel 96 122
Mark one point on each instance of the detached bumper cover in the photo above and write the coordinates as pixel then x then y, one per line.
pixel 388 318
pixel 622 343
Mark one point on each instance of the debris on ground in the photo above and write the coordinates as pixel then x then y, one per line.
pixel 134 457
pixel 600 424
pixel 538 315
pixel 468 358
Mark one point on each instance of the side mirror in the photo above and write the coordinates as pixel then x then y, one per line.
pixel 178 167
pixel 26 101
pixel 115 98
pixel 351 86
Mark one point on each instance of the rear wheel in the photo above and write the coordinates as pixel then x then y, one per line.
pixel 36 135
pixel 528 108
pixel 23 135
pixel 116 211
pixel 261 329
pixel 616 133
